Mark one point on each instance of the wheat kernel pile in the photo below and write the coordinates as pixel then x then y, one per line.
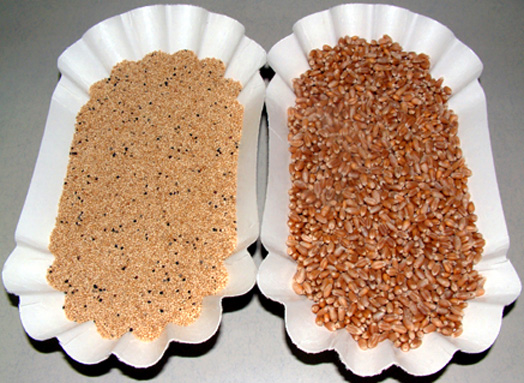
pixel 147 214
pixel 381 222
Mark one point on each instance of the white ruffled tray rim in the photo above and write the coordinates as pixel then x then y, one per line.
pixel 130 36
pixel 461 68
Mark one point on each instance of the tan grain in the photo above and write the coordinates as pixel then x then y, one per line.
pixel 148 209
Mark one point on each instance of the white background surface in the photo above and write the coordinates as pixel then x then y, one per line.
pixel 251 344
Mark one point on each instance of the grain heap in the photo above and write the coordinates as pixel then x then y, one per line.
pixel 148 209
pixel 381 223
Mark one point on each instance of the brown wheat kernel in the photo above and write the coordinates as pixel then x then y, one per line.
pixel 380 216
pixel 147 213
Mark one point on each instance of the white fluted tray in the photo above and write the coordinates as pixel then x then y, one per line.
pixel 460 67
pixel 131 36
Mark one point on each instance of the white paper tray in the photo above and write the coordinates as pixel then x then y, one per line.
pixel 130 36
pixel 460 68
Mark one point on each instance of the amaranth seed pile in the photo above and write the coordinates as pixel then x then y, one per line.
pixel 381 223
pixel 147 214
